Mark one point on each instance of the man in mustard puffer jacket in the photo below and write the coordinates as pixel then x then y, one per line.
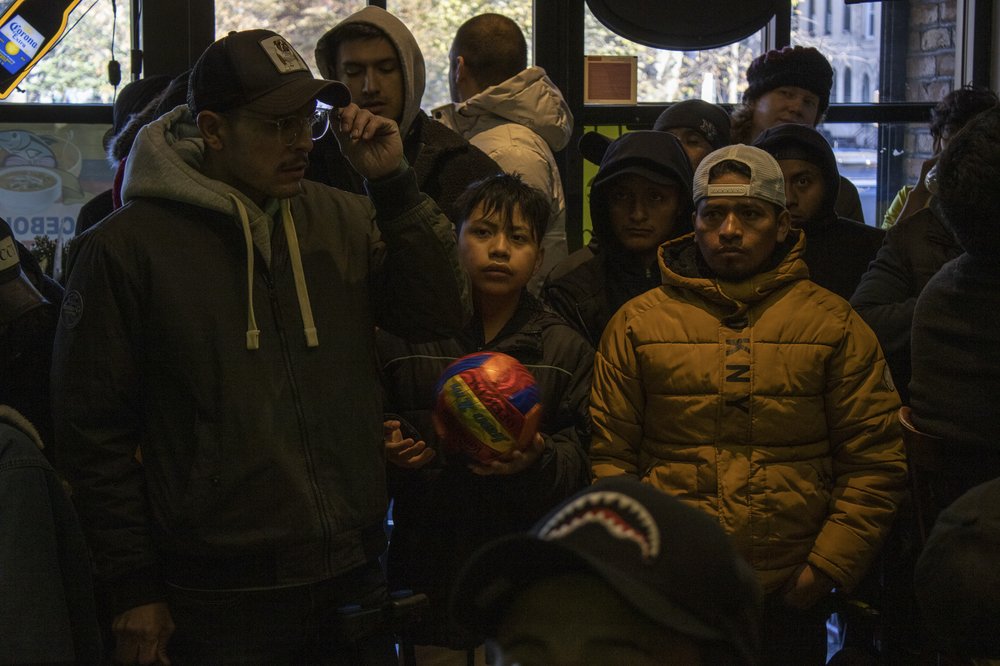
pixel 748 391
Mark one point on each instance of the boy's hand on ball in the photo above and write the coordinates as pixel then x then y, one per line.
pixel 512 462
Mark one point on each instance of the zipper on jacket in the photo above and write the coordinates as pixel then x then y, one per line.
pixel 324 519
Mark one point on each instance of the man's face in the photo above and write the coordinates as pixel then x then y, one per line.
pixel 787 104
pixel 804 191
pixel 737 235
pixel 371 69
pixel 643 213
pixel 255 157
pixel 694 143
pixel 499 259
pixel 579 619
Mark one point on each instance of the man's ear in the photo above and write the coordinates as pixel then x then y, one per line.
pixel 212 127
pixel 784 224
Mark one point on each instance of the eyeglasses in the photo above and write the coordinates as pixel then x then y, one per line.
pixel 291 128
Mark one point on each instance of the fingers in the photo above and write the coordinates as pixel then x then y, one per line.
pixel 357 124
pixel 409 454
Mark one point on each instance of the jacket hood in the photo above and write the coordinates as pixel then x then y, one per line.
pixel 166 163
pixel 411 59
pixel 681 266
pixel 656 156
pixel 11 417
pixel 789 141
pixel 529 99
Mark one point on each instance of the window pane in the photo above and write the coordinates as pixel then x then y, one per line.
pixel 922 61
pixel 434 23
pixel 301 22
pixel 714 75
pixel 68 162
pixel 75 70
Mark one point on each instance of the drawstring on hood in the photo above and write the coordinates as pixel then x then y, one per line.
pixel 253 333
pixel 301 291
pixel 173 151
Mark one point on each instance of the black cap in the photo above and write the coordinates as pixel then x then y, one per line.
pixel 17 294
pixel 710 120
pixel 671 562
pixel 656 156
pixel 134 97
pixel 258 69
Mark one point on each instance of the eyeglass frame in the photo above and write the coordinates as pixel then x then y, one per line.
pixel 294 124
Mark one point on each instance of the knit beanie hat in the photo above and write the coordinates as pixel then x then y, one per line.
pixel 799 66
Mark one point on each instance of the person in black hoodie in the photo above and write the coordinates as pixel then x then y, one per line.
pixel 640 198
pixel 445 507
pixel 838 250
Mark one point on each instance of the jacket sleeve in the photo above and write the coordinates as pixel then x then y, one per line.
pixel 885 299
pixel 869 467
pixel 616 404
pixel 420 290
pixel 564 466
pixel 96 403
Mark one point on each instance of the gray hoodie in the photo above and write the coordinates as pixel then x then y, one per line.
pixel 411 60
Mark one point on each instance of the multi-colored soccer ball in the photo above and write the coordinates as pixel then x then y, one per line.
pixel 487 404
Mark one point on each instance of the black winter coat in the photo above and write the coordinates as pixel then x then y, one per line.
pixel 838 252
pixel 913 251
pixel 444 162
pixel 442 512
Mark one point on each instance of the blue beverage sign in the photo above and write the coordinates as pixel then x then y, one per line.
pixel 19 42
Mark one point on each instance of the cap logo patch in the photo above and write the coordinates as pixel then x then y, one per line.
pixel 728 191
pixel 285 59
pixel 708 129
pixel 8 253
pixel 621 516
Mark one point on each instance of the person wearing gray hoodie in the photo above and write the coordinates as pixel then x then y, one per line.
pixel 515 113
pixel 376 56
pixel 214 380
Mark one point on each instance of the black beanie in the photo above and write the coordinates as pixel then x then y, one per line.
pixel 710 120
pixel 799 66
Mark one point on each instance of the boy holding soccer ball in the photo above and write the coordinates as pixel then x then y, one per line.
pixel 444 505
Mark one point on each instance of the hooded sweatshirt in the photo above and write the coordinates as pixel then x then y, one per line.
pixel 520 123
pixel 589 294
pixel 239 366
pixel 838 250
pixel 445 163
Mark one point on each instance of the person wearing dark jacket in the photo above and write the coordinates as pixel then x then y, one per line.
pixel 838 250
pixel 444 507
pixel 791 85
pixel 29 312
pixel 215 385
pixel 47 610
pixel 956 368
pixel 377 57
pixel 640 198
pixel 912 252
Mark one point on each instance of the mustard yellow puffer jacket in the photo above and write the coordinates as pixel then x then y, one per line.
pixel 766 403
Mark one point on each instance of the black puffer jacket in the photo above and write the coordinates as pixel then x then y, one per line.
pixel 913 251
pixel 443 512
